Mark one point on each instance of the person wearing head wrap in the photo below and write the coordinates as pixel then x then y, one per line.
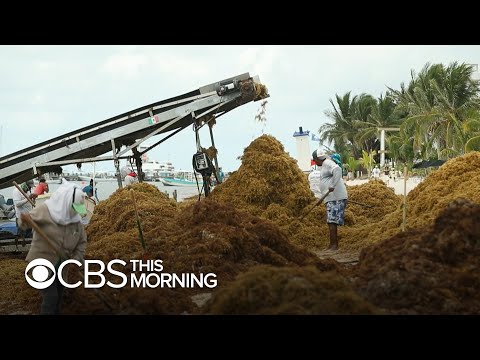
pixel 89 189
pixel 131 178
pixel 22 205
pixel 60 218
pixel 328 178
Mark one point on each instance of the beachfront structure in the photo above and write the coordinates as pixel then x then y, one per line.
pixel 303 149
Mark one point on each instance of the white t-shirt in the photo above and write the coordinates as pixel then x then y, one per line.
pixel 130 180
pixel 22 205
pixel 328 175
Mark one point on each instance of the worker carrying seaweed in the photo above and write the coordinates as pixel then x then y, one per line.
pixel 59 219
pixel 328 178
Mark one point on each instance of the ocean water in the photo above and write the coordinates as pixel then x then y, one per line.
pixel 106 188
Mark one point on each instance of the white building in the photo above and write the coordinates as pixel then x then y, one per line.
pixel 303 149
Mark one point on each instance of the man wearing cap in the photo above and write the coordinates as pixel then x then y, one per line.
pixel 22 205
pixel 60 218
pixel 328 178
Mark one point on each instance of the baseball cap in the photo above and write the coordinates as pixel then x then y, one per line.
pixel 318 154
pixel 78 201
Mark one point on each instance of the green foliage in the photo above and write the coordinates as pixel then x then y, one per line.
pixel 438 113
pixel 367 160
pixel 353 164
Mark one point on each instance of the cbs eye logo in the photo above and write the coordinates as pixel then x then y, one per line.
pixel 40 273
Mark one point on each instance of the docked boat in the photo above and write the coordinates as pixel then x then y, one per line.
pixel 182 178
pixel 179 182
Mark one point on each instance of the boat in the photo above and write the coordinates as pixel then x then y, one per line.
pixel 179 182
pixel 182 178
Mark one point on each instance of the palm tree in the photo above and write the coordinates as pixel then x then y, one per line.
pixel 363 109
pixel 442 105
pixel 400 147
pixel 341 131
pixel 458 103
pixel 383 114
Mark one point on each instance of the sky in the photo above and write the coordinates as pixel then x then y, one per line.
pixel 47 91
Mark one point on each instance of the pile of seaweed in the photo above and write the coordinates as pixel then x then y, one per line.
pixel 457 178
pixel 268 290
pixel 430 270
pixel 267 176
pixel 203 237
pixel 16 297
pixel 219 238
pixel 270 184
pixel 380 219
pixel 370 202
pixel 113 231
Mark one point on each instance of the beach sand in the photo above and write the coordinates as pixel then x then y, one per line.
pixel 397 186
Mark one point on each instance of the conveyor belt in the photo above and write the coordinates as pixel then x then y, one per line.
pixel 126 129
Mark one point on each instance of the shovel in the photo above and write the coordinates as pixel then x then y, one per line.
pixel 314 205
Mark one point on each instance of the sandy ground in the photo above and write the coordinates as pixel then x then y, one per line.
pixel 342 256
pixel 397 186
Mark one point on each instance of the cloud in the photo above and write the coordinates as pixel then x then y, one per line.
pixel 125 65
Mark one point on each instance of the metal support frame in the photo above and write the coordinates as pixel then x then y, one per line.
pixel 138 163
pixel 216 114
pixel 205 186
pixel 75 161
pixel 117 156
pixel 170 104
pixel 138 142
pixel 215 157
pixel 197 135
pixel 116 162
pixel 121 130
pixel 168 118
pixel 165 138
